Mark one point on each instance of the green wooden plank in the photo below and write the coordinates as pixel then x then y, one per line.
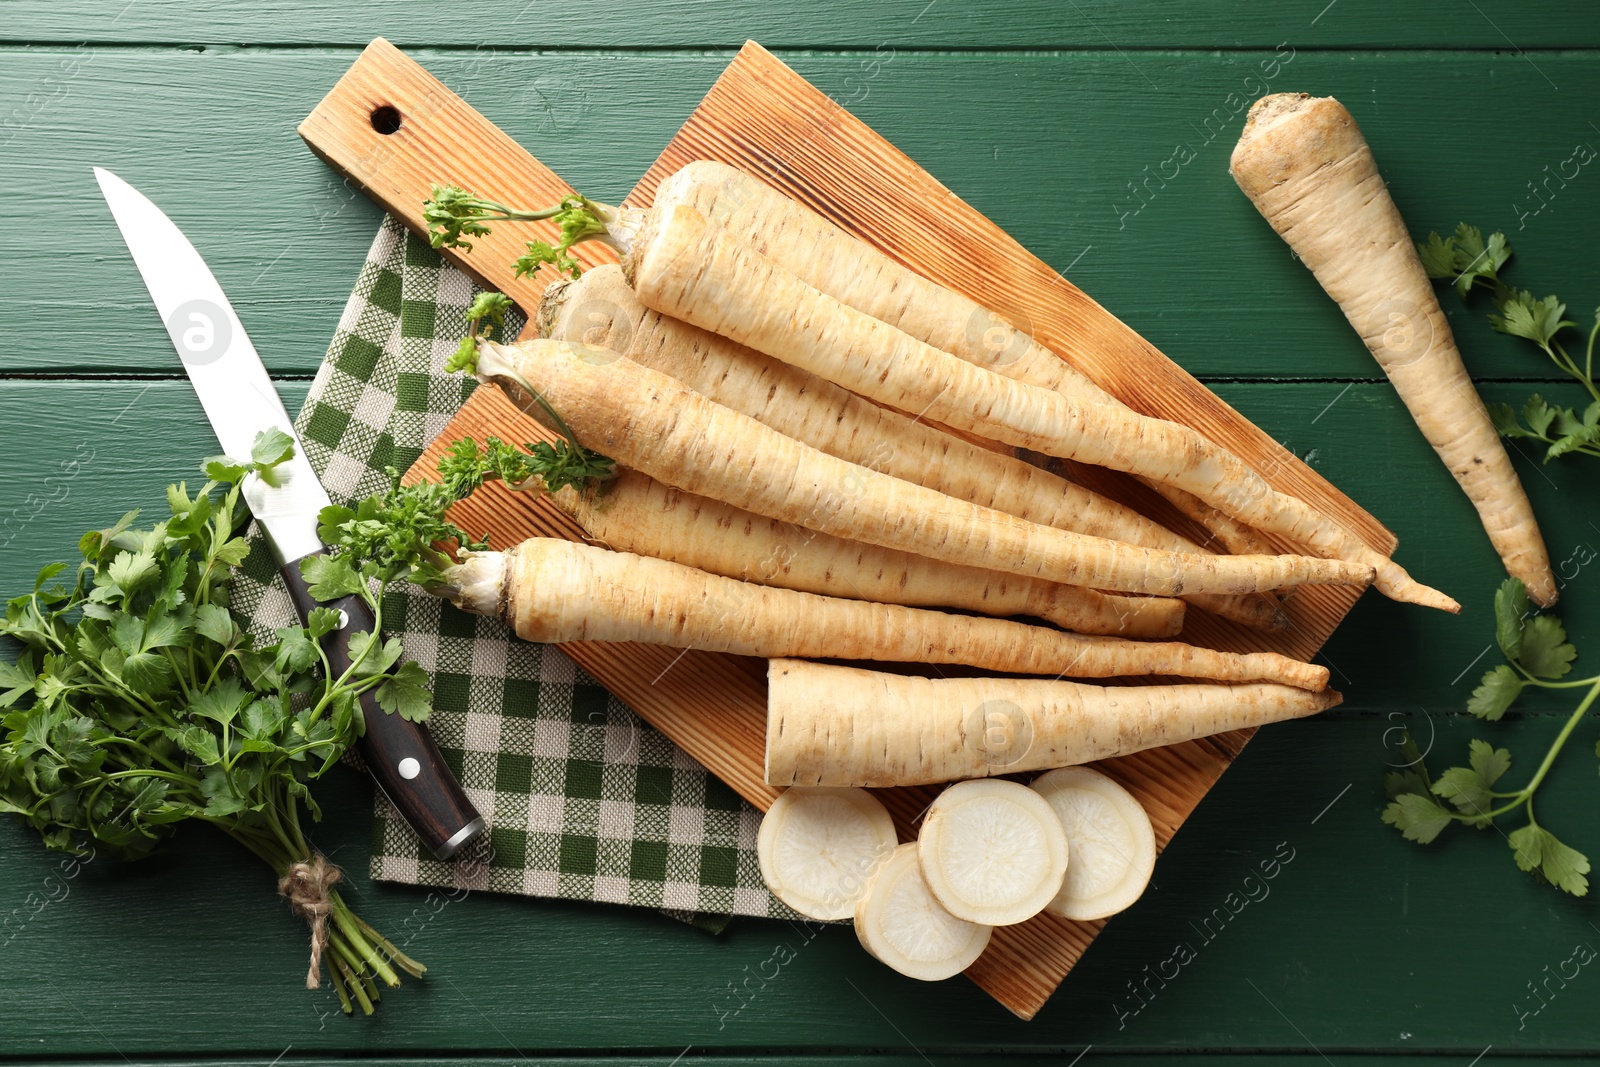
pixel 1362 439
pixel 692 1058
pixel 1050 145
pixel 1359 940
pixel 1496 24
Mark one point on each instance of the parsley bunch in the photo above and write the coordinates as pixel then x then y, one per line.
pixel 1540 656
pixel 1469 262
pixel 138 702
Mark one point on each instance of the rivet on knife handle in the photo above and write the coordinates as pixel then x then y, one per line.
pixel 400 754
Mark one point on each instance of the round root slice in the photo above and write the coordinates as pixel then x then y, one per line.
pixel 903 926
pixel 992 851
pixel 819 847
pixel 1113 845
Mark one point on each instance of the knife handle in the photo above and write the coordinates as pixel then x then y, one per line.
pixel 400 754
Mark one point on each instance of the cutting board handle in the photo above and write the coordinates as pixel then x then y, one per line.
pixel 395 130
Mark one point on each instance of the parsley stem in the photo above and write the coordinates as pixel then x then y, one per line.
pixel 346 922
pixel 357 988
pixel 293 820
pixel 1525 795
pixel 1579 684
pixel 1588 360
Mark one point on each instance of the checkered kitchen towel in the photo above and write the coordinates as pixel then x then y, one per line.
pixel 584 800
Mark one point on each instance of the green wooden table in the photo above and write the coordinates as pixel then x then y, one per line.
pixel 1045 116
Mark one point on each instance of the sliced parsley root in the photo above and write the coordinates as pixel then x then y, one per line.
pixel 1539 656
pixel 138 702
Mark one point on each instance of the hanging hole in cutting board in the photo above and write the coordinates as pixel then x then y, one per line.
pixel 386 119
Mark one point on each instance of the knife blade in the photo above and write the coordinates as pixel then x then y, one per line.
pixel 240 401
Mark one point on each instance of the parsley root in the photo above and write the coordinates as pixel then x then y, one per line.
pixel 683 265
pixel 635 513
pixel 1308 170
pixel 600 308
pixel 655 424
pixel 858 275
pixel 553 591
pixel 830 725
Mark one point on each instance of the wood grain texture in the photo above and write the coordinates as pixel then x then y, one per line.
pixel 1045 144
pixel 1031 24
pixel 763 117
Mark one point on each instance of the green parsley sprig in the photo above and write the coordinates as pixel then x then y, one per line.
pixel 137 701
pixel 453 214
pixel 562 463
pixel 388 537
pixel 1539 656
pixel 403 533
pixel 539 465
pixel 485 319
pixel 1470 262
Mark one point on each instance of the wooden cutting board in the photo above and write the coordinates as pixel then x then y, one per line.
pixel 395 129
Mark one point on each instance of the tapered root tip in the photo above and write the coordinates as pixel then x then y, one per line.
pixel 1316 677
pixel 1422 595
pixel 1286 670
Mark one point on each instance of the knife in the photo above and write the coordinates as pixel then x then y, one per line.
pixel 240 402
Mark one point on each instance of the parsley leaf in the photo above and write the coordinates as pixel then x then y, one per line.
pixel 1464 258
pixel 1467 259
pixel 1417 818
pixel 1469 788
pixel 405 693
pixel 1540 653
pixel 296 652
pixel 1497 692
pixel 270 449
pixel 214 622
pixel 1511 607
pixel 1524 315
pixel 332 577
pixel 1545 651
pixel 1536 848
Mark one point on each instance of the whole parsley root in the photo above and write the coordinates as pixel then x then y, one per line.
pixel 653 423
pixel 601 308
pixel 1540 656
pixel 693 265
pixel 138 702
pixel 1305 166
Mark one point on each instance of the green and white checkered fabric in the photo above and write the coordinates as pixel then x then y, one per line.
pixel 584 800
